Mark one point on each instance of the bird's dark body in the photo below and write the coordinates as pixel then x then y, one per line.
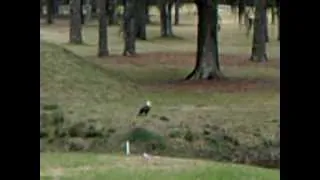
pixel 144 111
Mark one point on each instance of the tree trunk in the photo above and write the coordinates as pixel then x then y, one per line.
pixel 141 20
pixel 241 11
pixel 259 35
pixel 93 6
pixel 176 12
pixel 103 31
pixel 207 62
pixel 88 10
pixel 147 12
pixel 166 19
pixel 75 36
pixel 266 29
pixel 50 7
pixel 55 7
pixel 129 34
pixel 169 18
pixel 81 11
pixel 278 14
pixel 111 11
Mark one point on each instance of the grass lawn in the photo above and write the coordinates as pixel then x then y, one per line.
pixel 100 167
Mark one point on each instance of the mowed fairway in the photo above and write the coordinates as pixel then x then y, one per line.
pixel 110 90
pixel 73 166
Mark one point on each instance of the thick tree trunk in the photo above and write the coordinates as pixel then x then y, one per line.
pixel 141 20
pixel 166 19
pixel 176 12
pixel 75 36
pixel 259 35
pixel 207 62
pixel 50 12
pixel 129 34
pixel 103 31
pixel 241 11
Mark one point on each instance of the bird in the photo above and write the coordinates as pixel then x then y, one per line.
pixel 144 110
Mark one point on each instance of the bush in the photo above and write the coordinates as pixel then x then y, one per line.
pixel 189 136
pixel 150 141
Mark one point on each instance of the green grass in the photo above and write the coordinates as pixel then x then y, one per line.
pixel 99 167
pixel 86 87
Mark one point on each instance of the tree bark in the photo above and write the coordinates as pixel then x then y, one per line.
pixel 50 12
pixel 81 11
pixel 88 10
pixel 258 52
pixel 176 12
pixel 103 31
pixel 266 28
pixel 207 60
pixel 111 11
pixel 141 20
pixel 166 19
pixel 129 33
pixel 75 36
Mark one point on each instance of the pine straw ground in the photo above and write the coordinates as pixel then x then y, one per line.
pixel 186 60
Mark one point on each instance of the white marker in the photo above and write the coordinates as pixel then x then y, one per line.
pixel 127 148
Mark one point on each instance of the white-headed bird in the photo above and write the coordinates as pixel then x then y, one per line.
pixel 144 110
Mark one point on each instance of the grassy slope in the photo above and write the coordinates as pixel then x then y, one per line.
pixel 87 91
pixel 100 167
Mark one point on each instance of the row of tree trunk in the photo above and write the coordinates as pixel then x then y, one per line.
pixel 207 60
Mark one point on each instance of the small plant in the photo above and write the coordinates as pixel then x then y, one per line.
pixel 76 144
pixel 189 136
pixel 175 133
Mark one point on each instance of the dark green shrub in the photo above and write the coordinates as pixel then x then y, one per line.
pixel 151 140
